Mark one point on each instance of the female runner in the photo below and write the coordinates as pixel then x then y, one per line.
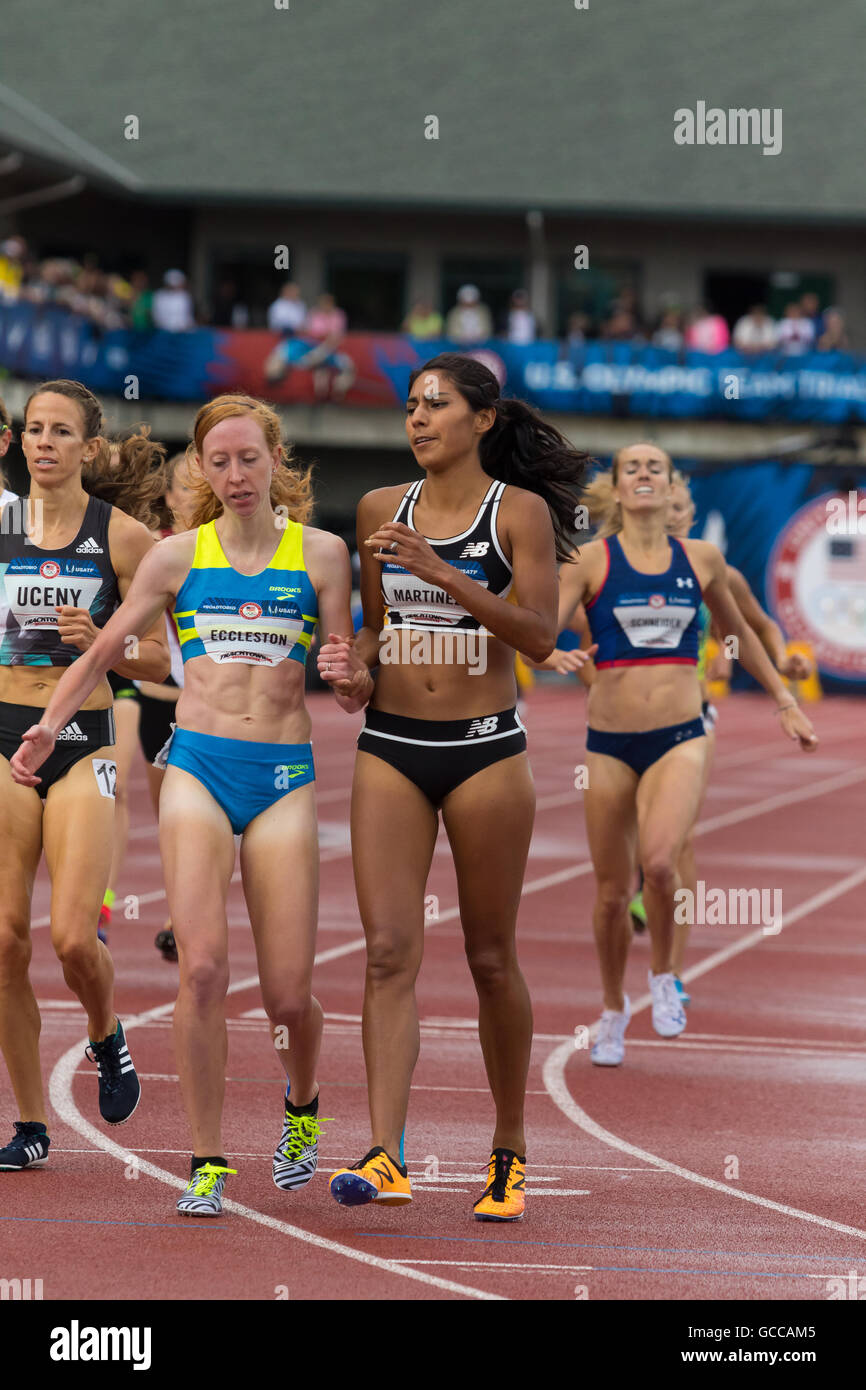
pixel 439 557
pixel 62 581
pixel 247 586
pixel 126 714
pixel 157 703
pixel 642 592
pixel 792 666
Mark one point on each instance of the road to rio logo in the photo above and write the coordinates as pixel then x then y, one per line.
pixel 250 610
pixel 49 569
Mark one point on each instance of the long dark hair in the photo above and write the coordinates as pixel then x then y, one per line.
pixel 135 486
pixel 520 447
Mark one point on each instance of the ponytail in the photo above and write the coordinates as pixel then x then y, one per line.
pixel 520 448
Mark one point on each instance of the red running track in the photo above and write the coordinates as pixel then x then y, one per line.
pixel 718 1165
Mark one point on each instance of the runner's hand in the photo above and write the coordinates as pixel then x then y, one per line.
pixel 412 552
pixel 797 727
pixel 35 746
pixel 76 627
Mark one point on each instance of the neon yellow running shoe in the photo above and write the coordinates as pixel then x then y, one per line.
pixel 638 912
pixel 204 1191
pixel 296 1155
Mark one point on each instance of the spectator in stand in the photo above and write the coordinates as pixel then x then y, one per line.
pixel 627 302
pixel 755 331
pixel 325 321
pixel 834 338
pixel 669 334
pixel 141 303
pixel 576 332
pixel 520 326
pixel 796 333
pixel 811 306
pixel 706 331
pixel 423 321
pixel 13 253
pixel 470 320
pixel 288 313
pixel 172 304
pixel 620 326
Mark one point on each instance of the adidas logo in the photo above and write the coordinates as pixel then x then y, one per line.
pixel 72 734
pixel 88 547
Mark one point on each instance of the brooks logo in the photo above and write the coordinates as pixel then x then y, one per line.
pixel 88 547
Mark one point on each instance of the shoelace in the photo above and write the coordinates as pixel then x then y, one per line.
pixel 500 1169
pixel 21 1140
pixel 303 1131
pixel 605 1031
pixel 204 1179
pixel 108 1057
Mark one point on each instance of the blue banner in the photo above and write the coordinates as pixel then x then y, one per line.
pixel 615 379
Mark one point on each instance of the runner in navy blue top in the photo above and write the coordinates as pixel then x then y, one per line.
pixel 642 592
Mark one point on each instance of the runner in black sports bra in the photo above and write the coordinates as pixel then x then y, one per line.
pixel 438 560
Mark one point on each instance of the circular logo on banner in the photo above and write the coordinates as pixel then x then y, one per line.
pixel 656 600
pixel 49 569
pixel 250 610
pixel 816 582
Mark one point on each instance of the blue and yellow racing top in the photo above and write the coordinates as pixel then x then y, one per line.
pixel 258 620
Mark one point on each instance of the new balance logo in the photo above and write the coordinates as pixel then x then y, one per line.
pixel 72 734
pixel 89 547
pixel 684 583
pixel 482 727
pixel 474 550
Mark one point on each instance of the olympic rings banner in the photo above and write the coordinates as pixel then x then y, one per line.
pixel 372 369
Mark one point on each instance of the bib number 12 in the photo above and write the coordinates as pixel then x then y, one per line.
pixel 106 776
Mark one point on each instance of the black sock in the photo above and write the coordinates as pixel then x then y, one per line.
pixel 311 1108
pixel 33 1127
pixel 196 1162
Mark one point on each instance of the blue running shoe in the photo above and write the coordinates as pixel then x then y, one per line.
pixel 28 1149
pixel 119 1087
pixel 685 997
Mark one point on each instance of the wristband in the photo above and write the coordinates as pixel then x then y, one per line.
pixel 780 709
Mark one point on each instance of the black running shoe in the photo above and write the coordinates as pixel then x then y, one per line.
pixel 119 1087
pixel 29 1148
pixel 164 941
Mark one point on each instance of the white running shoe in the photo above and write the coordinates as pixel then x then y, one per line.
pixel 669 1016
pixel 608 1049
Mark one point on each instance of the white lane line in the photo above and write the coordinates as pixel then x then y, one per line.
pixel 557 1087
pixel 504 1264
pixel 60 1091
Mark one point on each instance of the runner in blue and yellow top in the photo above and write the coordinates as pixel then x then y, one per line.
pixel 641 589
pixel 247 585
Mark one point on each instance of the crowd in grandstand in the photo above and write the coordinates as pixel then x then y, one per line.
pixel 111 300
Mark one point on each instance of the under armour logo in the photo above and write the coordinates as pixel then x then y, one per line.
pixel 684 583
pixel 482 727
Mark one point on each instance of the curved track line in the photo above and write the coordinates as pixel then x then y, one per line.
pixel 60 1092
pixel 553 1075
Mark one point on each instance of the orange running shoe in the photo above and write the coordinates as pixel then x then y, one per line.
pixel 502 1199
pixel 377 1178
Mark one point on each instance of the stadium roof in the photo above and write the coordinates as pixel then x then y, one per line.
pixel 539 104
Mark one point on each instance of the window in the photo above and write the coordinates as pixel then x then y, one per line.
pixel 591 291
pixel 370 287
